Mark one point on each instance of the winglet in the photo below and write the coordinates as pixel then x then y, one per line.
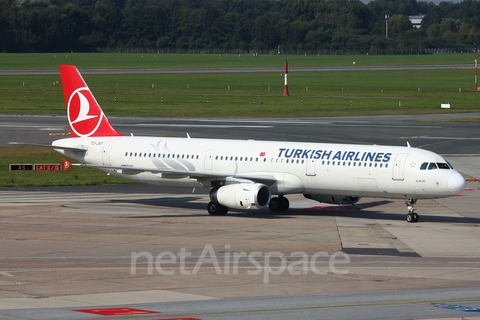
pixel 85 116
pixel 66 164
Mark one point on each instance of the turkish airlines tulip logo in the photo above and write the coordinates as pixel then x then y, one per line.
pixel 83 115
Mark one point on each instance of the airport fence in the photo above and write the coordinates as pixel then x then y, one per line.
pixel 288 51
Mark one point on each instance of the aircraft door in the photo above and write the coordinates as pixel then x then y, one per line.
pixel 310 170
pixel 398 166
pixel 107 147
pixel 209 159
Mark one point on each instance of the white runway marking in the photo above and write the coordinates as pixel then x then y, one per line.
pixel 440 138
pixel 198 125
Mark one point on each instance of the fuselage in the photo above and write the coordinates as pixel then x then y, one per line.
pixel 308 168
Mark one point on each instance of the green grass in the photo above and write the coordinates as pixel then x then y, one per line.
pixel 32 155
pixel 32 61
pixel 253 94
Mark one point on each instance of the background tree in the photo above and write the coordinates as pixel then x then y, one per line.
pixel 86 25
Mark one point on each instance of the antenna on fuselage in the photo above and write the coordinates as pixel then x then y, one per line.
pixel 188 136
pixel 408 145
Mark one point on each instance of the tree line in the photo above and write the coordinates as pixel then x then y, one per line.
pixel 247 25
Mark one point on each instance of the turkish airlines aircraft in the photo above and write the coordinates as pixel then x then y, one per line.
pixel 244 174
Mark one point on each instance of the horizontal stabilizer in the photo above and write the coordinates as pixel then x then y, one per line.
pixel 78 149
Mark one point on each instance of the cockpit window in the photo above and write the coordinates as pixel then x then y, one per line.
pixel 443 165
pixel 433 165
pixel 449 164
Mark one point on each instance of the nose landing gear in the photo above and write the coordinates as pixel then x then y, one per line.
pixel 412 216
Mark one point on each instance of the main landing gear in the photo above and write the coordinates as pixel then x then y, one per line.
pixel 412 216
pixel 216 209
pixel 279 204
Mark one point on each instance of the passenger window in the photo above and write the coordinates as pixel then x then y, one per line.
pixel 432 166
pixel 424 166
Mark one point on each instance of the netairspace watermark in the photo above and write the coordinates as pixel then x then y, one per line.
pixel 269 263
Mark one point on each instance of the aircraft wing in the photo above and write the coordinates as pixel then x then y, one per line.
pixel 202 177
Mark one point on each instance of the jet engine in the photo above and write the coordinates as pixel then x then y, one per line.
pixel 332 199
pixel 242 195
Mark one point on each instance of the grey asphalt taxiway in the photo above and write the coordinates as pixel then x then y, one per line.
pixel 68 252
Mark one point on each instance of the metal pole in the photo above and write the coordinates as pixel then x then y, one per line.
pixel 386 26
pixel 476 70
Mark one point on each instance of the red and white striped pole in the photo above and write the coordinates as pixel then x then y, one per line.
pixel 285 75
pixel 476 70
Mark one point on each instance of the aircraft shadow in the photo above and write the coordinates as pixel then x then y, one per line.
pixel 349 211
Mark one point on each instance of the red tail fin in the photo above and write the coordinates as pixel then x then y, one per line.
pixel 85 116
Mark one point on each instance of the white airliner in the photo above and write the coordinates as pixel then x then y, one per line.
pixel 244 174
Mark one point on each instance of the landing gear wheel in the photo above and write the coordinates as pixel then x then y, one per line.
pixel 416 217
pixel 284 204
pixel 216 209
pixel 279 204
pixel 412 216
pixel 274 204
pixel 409 217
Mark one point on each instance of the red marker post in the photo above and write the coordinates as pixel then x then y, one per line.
pixel 285 75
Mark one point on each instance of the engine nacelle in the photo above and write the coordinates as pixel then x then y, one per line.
pixel 332 199
pixel 242 195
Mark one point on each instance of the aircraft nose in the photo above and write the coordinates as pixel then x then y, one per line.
pixel 456 183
